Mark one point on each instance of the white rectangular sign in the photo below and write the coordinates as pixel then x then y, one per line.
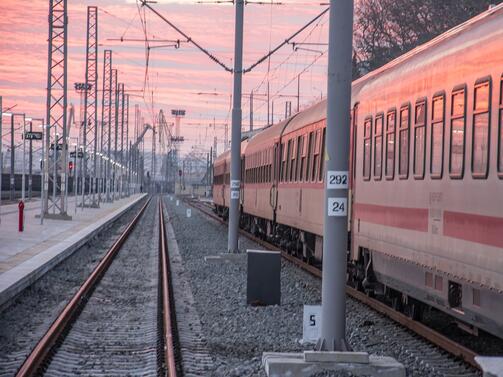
pixel 177 203
pixel 337 179
pixel 189 212
pixel 235 194
pixel 311 323
pixel 235 184
pixel 337 206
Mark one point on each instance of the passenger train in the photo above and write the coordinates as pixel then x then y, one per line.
pixel 426 187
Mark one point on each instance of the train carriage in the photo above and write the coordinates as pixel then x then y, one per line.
pixel 426 187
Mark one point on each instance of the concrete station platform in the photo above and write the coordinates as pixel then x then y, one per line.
pixel 25 256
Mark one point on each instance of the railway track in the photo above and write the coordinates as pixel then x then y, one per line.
pixel 419 328
pixel 119 322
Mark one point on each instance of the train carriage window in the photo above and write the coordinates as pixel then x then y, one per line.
pixel 299 154
pixel 292 161
pixel 437 136
pixel 309 159
pixel 419 139
pixel 288 160
pixel 322 156
pixel 500 132
pixel 367 148
pixel 457 134
pixel 283 162
pixel 390 144
pixel 378 128
pixel 480 132
pixel 403 139
pixel 316 157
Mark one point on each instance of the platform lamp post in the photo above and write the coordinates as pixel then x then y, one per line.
pixel 333 291
pixel 30 156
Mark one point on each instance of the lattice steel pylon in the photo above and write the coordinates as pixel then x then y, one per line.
pixel 118 120
pixel 55 166
pixel 106 118
pixel 90 131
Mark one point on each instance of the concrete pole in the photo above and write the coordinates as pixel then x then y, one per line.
pixel 335 234
pixel 1 156
pixel 298 93
pixel 232 245
pixel 30 165
pixel 23 181
pixel 12 158
pixel 251 111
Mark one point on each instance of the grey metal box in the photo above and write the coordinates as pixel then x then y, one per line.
pixel 264 277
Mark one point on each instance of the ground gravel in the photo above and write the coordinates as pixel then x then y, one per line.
pixel 30 314
pixel 237 334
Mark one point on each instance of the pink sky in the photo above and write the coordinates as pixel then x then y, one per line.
pixel 175 75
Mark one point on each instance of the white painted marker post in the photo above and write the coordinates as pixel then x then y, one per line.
pixel 311 324
pixel 177 203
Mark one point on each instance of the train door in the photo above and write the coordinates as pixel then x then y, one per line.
pixel 224 178
pixel 352 162
pixel 242 186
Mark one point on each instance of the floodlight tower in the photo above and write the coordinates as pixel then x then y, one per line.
pixel 55 170
pixel 178 114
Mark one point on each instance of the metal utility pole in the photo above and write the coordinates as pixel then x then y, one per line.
pixel 268 104
pixel 118 115
pixel 128 148
pixel 106 116
pixel 56 111
pixel 1 155
pixel 30 163
pixel 12 158
pixel 298 92
pixel 90 124
pixel 232 245
pixel 335 236
pixel 251 111
pixel 121 136
pixel 111 136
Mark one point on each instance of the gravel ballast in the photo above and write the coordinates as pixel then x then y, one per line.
pixel 236 335
pixel 30 314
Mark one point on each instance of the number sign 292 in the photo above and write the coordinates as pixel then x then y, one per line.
pixel 337 179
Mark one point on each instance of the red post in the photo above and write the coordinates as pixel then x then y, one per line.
pixel 21 216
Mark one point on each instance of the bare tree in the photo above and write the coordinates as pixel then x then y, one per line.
pixel 386 29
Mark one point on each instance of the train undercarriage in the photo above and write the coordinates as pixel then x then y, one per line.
pixel 362 274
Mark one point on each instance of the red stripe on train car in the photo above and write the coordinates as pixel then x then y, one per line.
pixel 398 217
pixel 487 230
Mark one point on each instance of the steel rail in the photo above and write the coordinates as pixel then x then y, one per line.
pixel 42 350
pixel 422 330
pixel 169 351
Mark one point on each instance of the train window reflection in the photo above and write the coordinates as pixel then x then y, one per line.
pixel 480 139
pixel 378 147
pixel 403 161
pixel 420 140
pixel 367 148
pixel 390 144
pixel 457 134
pixel 437 137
